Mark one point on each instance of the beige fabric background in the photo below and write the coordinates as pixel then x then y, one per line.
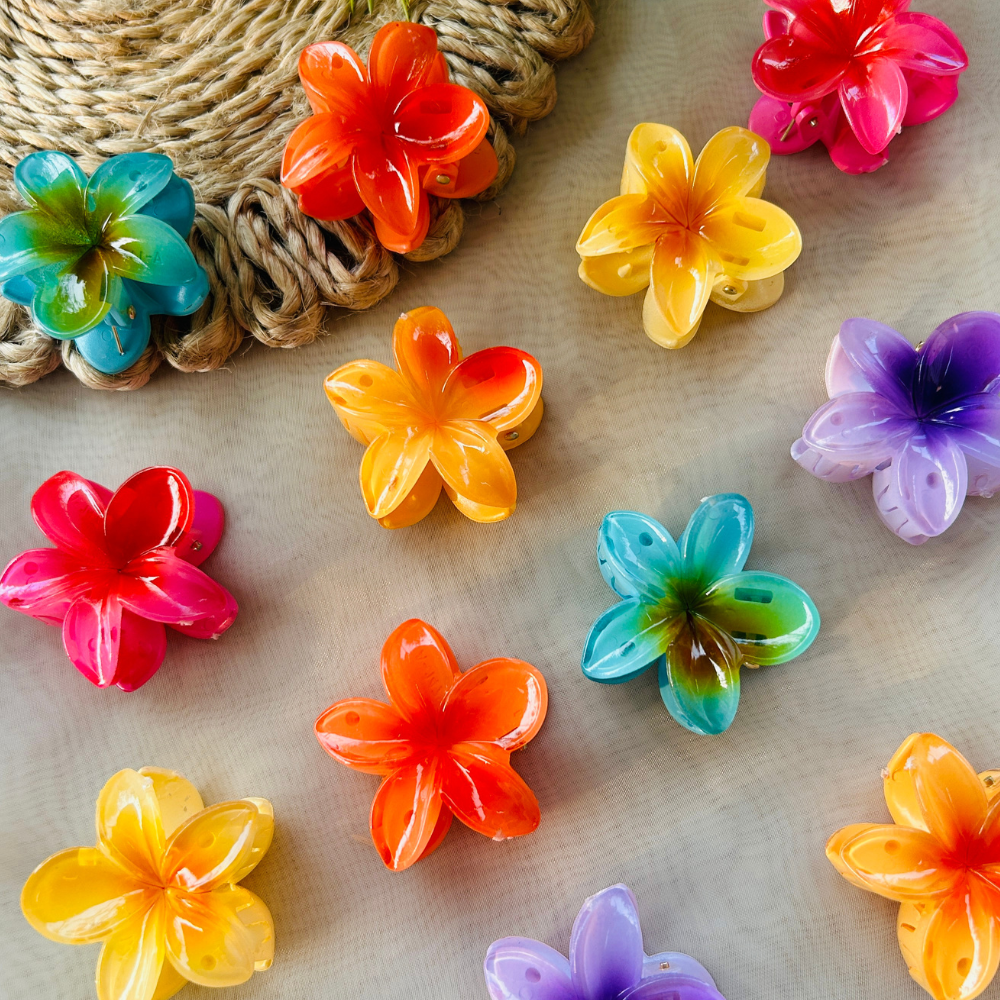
pixel 720 837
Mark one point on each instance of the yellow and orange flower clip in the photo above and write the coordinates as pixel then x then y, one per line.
pixel 690 231
pixel 440 421
pixel 159 889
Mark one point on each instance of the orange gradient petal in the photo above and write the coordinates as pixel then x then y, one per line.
pixel 403 57
pixel 472 175
pixel 472 463
pixel 500 385
pixel 405 813
pixel 366 735
pixel 732 164
pixel 418 670
pixel 419 502
pixel 371 398
pixel 624 223
pixel 317 147
pixel 391 467
pixel 335 81
pixel 129 827
pixel 681 280
pixel 426 350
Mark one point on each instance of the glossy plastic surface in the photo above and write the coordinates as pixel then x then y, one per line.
pixel 923 422
pixel 689 231
pixel 606 961
pixel 440 421
pixel 442 745
pixel 384 136
pixel 123 566
pixel 691 610
pixel 159 889
pixel 851 74
pixel 940 859
pixel 94 259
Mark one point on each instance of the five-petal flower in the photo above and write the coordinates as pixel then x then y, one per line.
pixel 94 259
pixel 159 889
pixel 940 861
pixel 125 564
pixel 443 745
pixel 851 74
pixel 384 137
pixel 606 961
pixel 923 422
pixel 692 610
pixel 439 421
pixel 690 231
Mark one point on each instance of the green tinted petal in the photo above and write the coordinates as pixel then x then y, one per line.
pixel 73 299
pixel 636 555
pixel 32 239
pixel 717 539
pixel 145 249
pixel 771 618
pixel 624 641
pixel 123 184
pixel 53 183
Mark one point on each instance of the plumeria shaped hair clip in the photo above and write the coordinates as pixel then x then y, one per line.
pixel 385 137
pixel 94 259
pixel 923 422
pixel 691 610
pixel 606 961
pixel 442 745
pixel 125 564
pixel 440 421
pixel 939 860
pixel 690 231
pixel 851 74
pixel 159 889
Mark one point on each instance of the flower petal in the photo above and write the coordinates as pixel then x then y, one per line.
pixel 672 986
pixel 519 967
pixel 499 385
pixel 681 278
pixel 418 503
pixel 486 793
pixel 637 556
pixel 482 513
pixel 861 427
pixel 335 81
pixel 700 677
pixel 79 896
pixel 205 532
pixel 605 948
pixel 441 123
pixel 31 240
pixel 177 798
pixel 149 250
pixel 91 633
pixel 52 182
pixel 930 96
pixel 141 650
pixel 403 57
pixel 883 358
pixel 622 273
pixel 164 588
pixel 501 701
pixel 974 424
pixel 718 536
pixel 153 508
pixel 920 42
pixel 788 69
pixel 388 182
pixel 43 583
pixel 70 510
pixel 125 183
pixel 331 196
pixel 418 669
pixel 316 149
pixel 370 399
pixel 366 735
pixel 960 358
pixel 658 163
pixel 129 828
pixel 132 958
pixel 472 175
pixel 731 166
pixel 404 240
pixel 624 223
pixel 828 469
pixel 426 351
pixel 391 467
pixel 169 983
pixel 471 462
pixel 213 625
pixel 771 619
pixel 626 640
pixel 753 238
pixel 873 94
pixel 405 813
pixel 73 298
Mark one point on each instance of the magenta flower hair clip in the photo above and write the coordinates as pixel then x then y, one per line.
pixel 851 74
pixel 606 961
pixel 923 422
pixel 124 565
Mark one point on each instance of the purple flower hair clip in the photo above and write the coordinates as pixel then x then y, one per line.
pixel 606 961
pixel 924 422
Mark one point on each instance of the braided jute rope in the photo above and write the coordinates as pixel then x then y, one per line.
pixel 214 85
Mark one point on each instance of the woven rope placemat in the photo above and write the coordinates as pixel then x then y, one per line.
pixel 215 86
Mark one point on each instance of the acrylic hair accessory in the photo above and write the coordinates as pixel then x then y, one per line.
pixel 159 889
pixel 690 609
pixel 94 259
pixel 440 421
pixel 923 422
pixel 939 861
pixel 385 137
pixel 442 745
pixel 851 75
pixel 125 564
pixel 606 961
pixel 690 231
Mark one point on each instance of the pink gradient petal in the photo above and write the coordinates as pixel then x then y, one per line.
pixel 847 152
pixel 167 589
pixel 791 70
pixel 43 583
pixel 153 508
pixel 861 427
pixel 212 626
pixel 923 43
pixel 141 651
pixel 200 540
pixel 873 94
pixel 930 96
pixel 92 636
pixel 70 510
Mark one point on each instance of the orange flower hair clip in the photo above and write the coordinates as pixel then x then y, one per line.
pixel 442 745
pixel 439 421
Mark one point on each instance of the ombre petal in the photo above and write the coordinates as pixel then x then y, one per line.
pixel 418 669
pixel 672 986
pixel 861 427
pixel 930 96
pixel 681 278
pixel 418 503
pixel 70 511
pixel 391 467
pixel 73 298
pixel 44 583
pixel 125 183
pixel 441 123
pixel 873 94
pixel 828 469
pixel 883 358
pixel 917 41
pixel 403 58
pixel 164 588
pixel 153 508
pixel 315 150
pixel 960 358
pixel 149 250
pixel 132 958
pixel 388 183
pixel 366 735
pixel 370 397
pixel 658 163
pixel 426 350
pixel 752 238
pixel 52 182
pixel 624 223
pixel 400 240
pixel 335 81
pixel 518 967
pixel 731 166
pixel 405 813
pixel 91 633
pixel 974 425
pixel 177 798
pixel 470 460
pixel 637 556
pixel 626 640
pixel 141 649
pixel 717 539
pixel 618 274
pixel 499 385
pixel 788 69
pixel 31 240
pixel 605 950
pixel 129 827
pixel 215 846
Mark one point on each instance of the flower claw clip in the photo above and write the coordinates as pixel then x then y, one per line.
pixel 690 231
pixel 606 961
pixel 939 859
pixel 94 259
pixel 441 421
pixel 851 75
pixel 442 745
pixel 923 422
pixel 386 136
pixel 160 889
pixel 125 564
pixel 690 609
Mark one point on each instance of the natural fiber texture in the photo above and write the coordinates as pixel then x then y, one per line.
pixel 215 87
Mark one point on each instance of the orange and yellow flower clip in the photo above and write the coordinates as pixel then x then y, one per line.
pixel 439 421
pixel 940 860
pixel 159 889
pixel 690 231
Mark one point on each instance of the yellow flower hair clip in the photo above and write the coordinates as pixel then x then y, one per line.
pixel 690 231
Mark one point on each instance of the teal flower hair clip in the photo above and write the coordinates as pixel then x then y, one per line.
pixel 692 610
pixel 94 259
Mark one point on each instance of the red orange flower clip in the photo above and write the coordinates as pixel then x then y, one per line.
pixel 387 136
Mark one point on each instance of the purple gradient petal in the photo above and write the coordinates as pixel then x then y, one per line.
pixel 818 465
pixel 975 426
pixel 676 964
pixel 841 374
pixel 605 950
pixel 668 986
pixel 862 427
pixel 961 358
pixel 984 479
pixel 522 969
pixel 885 358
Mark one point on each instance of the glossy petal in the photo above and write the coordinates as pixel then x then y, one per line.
pixel 637 556
pixel 70 510
pixel 228 829
pixel 752 238
pixel 619 274
pixel 500 385
pixel 518 967
pixel 400 240
pixel 418 503
pixel 930 96
pixel 624 223
pixel 91 633
pixel 403 58
pixel 125 183
pixel 73 298
pixel 388 183
pixel 771 619
pixel 52 182
pixel 873 94
pixel 847 152
pixel 829 469
pixel 975 426
pixel 673 987
pixel 151 509
pixel 148 250
pixel 426 350
pixel 366 735
pixel 473 175
pixel 471 462
pixel 205 532
pixel 717 539
pixel 129 828
pixel 731 166
pixel 482 513
pixel 43 583
pixel 960 358
pixel 317 149
pixel 141 650
pixel 131 959
pixel 441 123
pixel 681 278
pixel 658 163
pixel 917 41
pixel 331 196
pixel 169 983
pixel 418 669
pixel 33 239
pixel 405 813
pixel 391 467
pixel 790 70
pixel 212 625
pixel 335 81
pixel 605 950
pixel 784 132
pixel 371 398
pixel 177 798
pixel 626 640
pixel 862 427
pixel 885 361
pixel 167 589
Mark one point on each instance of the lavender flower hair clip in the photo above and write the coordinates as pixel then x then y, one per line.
pixel 924 422
pixel 606 961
